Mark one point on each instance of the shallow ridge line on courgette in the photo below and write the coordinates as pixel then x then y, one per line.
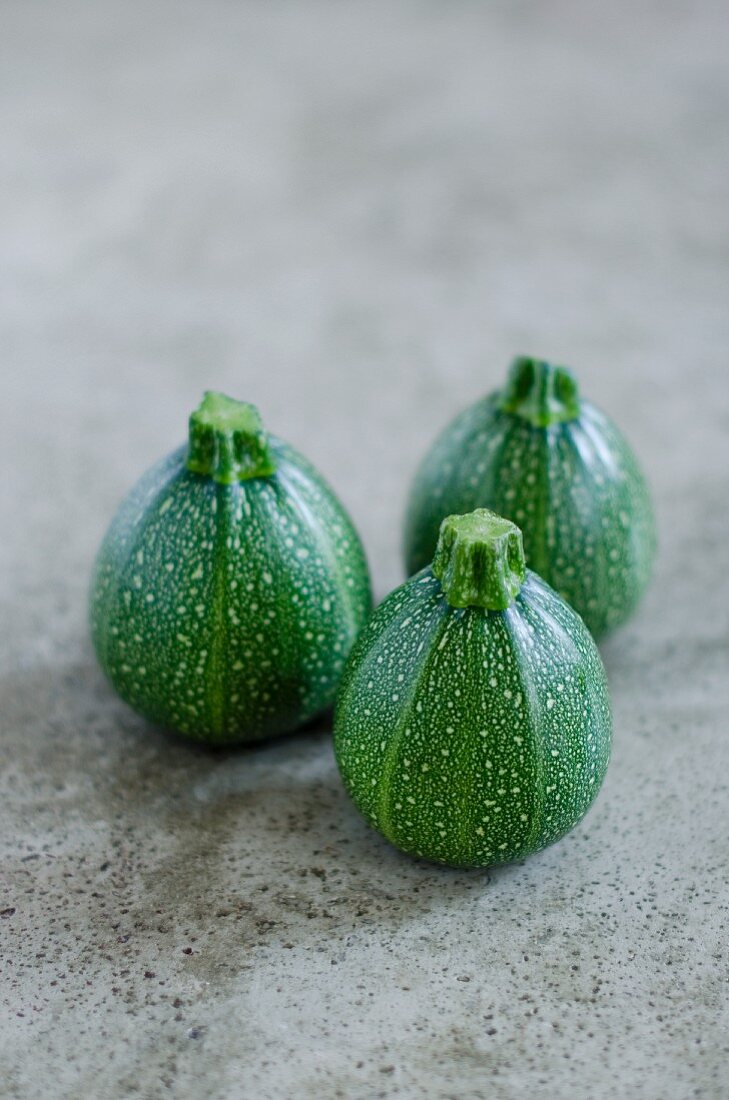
pixel 588 427
pixel 289 477
pixel 467 776
pixel 226 498
pixel 506 638
pixel 517 628
pixel 283 501
pixel 566 641
pixel 544 500
pixel 437 625
pixel 590 420
pixel 578 438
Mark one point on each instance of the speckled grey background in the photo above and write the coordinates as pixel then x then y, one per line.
pixel 354 214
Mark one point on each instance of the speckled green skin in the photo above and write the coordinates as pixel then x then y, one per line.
pixel 473 737
pixel 226 612
pixel 574 488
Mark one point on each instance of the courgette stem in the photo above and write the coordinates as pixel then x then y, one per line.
pixel 227 441
pixel 540 392
pixel 479 560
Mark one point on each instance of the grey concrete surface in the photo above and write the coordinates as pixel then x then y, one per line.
pixel 354 214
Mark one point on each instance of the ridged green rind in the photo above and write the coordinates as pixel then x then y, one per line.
pixel 472 737
pixel 574 488
pixel 226 612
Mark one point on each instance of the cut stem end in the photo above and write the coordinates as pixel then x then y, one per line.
pixel 479 560
pixel 227 441
pixel 541 393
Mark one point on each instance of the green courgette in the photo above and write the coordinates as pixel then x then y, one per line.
pixel 547 459
pixel 230 586
pixel 473 725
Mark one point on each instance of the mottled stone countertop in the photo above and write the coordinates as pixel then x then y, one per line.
pixel 353 214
